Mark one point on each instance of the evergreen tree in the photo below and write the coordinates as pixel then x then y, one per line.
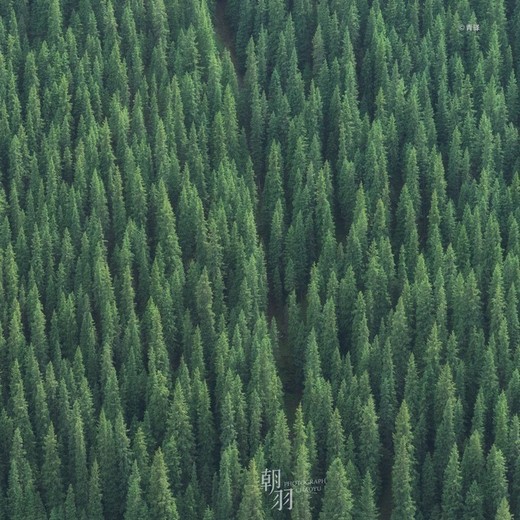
pixel 337 500
pixel 52 480
pixel 301 472
pixel 135 503
pixel 366 507
pixel 503 512
pixel 402 471
pixel 251 504
pixel 162 503
pixel 451 497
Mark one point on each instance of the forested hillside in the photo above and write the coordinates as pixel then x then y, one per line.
pixel 259 259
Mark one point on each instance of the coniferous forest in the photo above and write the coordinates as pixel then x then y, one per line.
pixel 259 259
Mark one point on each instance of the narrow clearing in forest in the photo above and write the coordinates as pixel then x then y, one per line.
pixel 225 34
pixel 292 387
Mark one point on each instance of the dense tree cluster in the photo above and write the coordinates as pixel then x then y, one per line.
pixel 295 250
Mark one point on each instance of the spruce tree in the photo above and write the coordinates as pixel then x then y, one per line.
pixel 337 500
pixel 162 503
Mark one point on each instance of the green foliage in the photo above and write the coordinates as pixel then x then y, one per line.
pixel 337 501
pixel 402 472
pixel 162 503
pixel 239 235
pixel 251 504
